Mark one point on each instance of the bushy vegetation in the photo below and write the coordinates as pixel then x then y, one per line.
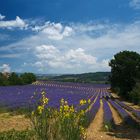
pixel 64 123
pixel 98 77
pixel 14 79
pixel 17 135
pixel 125 73
pixel 134 95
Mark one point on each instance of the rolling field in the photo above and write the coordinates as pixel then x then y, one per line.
pixel 105 112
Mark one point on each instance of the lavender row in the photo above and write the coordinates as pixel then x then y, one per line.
pixel 124 115
pixel 135 112
pixel 93 111
pixel 13 96
pixel 108 118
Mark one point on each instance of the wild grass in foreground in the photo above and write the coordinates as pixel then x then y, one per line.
pixel 18 135
pixel 64 123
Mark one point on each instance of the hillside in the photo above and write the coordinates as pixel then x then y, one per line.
pixel 98 77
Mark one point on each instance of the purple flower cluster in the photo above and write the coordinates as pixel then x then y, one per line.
pixel 134 111
pixel 121 111
pixel 108 118
pixel 124 115
pixel 94 109
pixel 21 96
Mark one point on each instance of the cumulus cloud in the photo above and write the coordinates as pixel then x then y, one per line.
pixel 17 23
pixel 72 59
pixel 2 17
pixel 135 4
pixel 54 31
pixel 77 47
pixel 5 68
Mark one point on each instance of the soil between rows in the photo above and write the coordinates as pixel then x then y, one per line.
pixel 94 132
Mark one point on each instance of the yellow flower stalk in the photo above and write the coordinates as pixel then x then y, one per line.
pixel 40 109
pixel 45 100
pixel 82 102
pixel 66 107
pixel 62 101
pixel 33 113
pixel 89 101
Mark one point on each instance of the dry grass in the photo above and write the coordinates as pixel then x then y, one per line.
pixel 17 122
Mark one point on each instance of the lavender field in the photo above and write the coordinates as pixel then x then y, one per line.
pixel 15 97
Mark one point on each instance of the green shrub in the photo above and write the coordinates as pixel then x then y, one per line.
pixel 17 135
pixel 64 123
pixel 134 95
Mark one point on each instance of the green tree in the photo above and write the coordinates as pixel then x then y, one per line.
pixel 3 80
pixel 28 78
pixel 125 70
pixel 14 79
pixel 135 94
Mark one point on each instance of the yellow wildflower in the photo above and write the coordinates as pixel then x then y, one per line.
pixel 33 113
pixel 40 109
pixel 72 109
pixel 61 108
pixel 89 101
pixel 45 100
pixel 43 92
pixel 82 102
pixel 66 107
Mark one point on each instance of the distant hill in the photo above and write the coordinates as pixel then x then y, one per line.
pixel 97 77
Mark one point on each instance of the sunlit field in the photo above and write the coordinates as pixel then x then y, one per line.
pixel 52 107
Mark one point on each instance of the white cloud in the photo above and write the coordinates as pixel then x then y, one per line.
pixel 5 68
pixel 9 55
pixel 50 57
pixel 79 56
pixel 2 17
pixel 54 31
pixel 17 23
pixel 135 4
pixel 76 48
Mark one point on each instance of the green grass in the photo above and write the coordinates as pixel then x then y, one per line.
pixel 18 135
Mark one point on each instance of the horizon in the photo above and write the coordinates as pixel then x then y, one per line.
pixel 59 73
pixel 66 36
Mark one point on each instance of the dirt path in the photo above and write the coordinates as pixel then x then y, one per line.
pixel 95 132
pixel 115 115
pixel 122 131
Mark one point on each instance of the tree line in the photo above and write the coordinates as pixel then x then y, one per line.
pixel 7 79
pixel 125 75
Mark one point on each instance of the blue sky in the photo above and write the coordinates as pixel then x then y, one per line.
pixel 66 36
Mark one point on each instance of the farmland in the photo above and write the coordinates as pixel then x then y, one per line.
pixel 102 104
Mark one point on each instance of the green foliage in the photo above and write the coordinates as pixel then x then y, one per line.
pixel 14 79
pixel 134 95
pixel 3 80
pixel 125 70
pixel 28 78
pixel 17 135
pixel 64 123
pixel 98 77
